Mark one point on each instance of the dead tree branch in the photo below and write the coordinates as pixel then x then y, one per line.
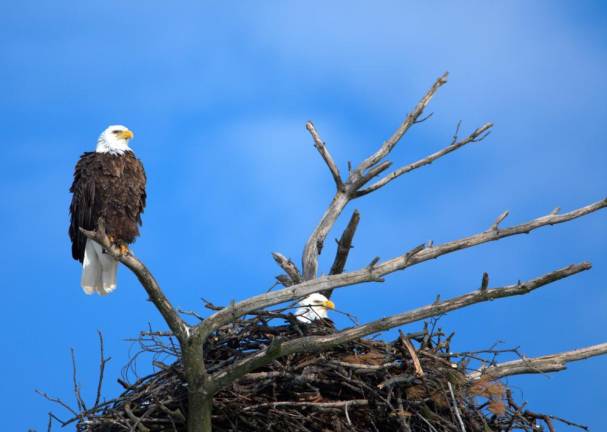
pixel 147 280
pixel 542 364
pixel 370 168
pixel 288 266
pixel 401 262
pixel 476 136
pixel 318 343
pixel 324 152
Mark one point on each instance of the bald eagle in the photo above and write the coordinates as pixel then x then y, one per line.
pixel 314 307
pixel 108 183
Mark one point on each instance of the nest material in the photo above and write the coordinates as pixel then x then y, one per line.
pixel 366 385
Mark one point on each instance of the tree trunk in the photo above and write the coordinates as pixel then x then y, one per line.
pixel 200 388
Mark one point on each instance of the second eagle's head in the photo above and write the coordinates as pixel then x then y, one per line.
pixel 114 139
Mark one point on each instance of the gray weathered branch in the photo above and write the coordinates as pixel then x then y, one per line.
pixel 370 168
pixel 147 280
pixel 476 136
pixel 543 364
pixel 389 144
pixel 288 266
pixel 324 152
pixel 318 343
pixel 344 244
pixel 384 268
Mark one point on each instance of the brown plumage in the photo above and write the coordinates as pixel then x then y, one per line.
pixel 111 186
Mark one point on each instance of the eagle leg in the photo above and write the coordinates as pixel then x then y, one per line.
pixel 123 248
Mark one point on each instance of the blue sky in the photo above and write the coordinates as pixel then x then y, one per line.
pixel 218 94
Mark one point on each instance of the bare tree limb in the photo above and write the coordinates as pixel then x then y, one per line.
pixel 324 152
pixel 344 244
pixel 542 364
pixel 147 280
pixel 357 177
pixel 279 348
pixel 476 136
pixel 316 241
pixel 401 262
pixel 413 116
pixel 288 266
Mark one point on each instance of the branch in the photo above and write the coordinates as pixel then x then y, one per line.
pixel 102 363
pixel 543 364
pixel 344 244
pixel 476 136
pixel 147 280
pixel 401 262
pixel 388 145
pixel 324 152
pixel 357 178
pixel 318 343
pixel 288 266
pixel 315 243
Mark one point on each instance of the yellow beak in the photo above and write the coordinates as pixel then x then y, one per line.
pixel 127 134
pixel 329 304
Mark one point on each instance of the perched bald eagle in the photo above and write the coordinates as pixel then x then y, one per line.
pixel 108 183
pixel 314 307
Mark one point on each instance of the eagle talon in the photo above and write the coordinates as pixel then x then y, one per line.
pixel 123 249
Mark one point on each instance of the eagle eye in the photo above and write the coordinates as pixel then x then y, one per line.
pixel 116 131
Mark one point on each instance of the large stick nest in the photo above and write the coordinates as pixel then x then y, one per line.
pixel 410 384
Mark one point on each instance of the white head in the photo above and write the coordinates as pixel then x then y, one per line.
pixel 313 307
pixel 114 140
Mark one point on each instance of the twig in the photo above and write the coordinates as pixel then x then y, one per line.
pixel 339 404
pixel 102 362
pixel 455 407
pixel 79 401
pixel 57 401
pixel 416 364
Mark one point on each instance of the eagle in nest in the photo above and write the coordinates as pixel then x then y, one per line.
pixel 109 183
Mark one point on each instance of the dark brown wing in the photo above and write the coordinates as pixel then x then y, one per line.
pixel 83 212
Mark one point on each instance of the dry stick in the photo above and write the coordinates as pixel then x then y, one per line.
pixel 476 136
pixel 147 280
pixel 288 266
pixel 455 407
pixel 318 343
pixel 416 363
pixel 102 362
pixel 542 364
pixel 57 401
pixel 324 152
pixel 79 400
pixel 338 404
pixel 401 262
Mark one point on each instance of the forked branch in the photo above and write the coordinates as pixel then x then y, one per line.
pixel 542 364
pixel 367 170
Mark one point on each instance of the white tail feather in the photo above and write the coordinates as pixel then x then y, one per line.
pixel 98 270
